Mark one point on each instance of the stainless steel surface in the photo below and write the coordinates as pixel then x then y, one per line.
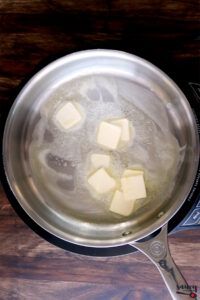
pixel 157 250
pixel 24 114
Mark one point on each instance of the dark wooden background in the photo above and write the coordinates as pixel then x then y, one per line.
pixel 33 33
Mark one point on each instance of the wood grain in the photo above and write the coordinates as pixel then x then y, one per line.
pixel 33 33
pixel 31 268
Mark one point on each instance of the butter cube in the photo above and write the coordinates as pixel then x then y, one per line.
pixel 101 181
pixel 129 172
pixel 100 160
pixel 125 127
pixel 120 206
pixel 108 135
pixel 68 116
pixel 133 187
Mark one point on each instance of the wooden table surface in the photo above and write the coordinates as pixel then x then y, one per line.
pixel 33 33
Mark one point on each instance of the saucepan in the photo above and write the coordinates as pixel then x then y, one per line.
pixel 46 167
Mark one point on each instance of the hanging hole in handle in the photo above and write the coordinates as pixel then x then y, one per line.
pixel 125 233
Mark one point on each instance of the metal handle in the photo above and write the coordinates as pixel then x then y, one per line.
pixel 157 250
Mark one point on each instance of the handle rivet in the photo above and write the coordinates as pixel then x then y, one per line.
pixel 160 214
pixel 126 233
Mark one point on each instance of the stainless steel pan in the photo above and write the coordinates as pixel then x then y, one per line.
pixel 32 191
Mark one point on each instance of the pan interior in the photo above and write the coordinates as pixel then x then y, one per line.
pixel 54 164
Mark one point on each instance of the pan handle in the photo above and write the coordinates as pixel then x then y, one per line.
pixel 157 250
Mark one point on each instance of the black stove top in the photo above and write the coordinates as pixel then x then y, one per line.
pixel 188 217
